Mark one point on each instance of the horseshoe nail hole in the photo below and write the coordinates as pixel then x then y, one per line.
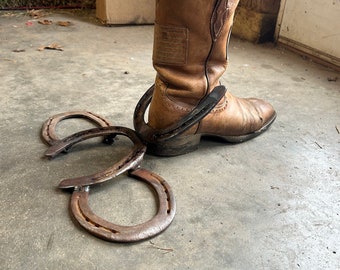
pixel 107 229
pixel 91 222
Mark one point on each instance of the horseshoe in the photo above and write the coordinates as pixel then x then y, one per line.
pixel 130 161
pixel 48 130
pixel 150 135
pixel 116 233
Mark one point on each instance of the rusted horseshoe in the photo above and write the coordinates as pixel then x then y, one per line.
pixel 79 201
pixel 117 233
pixel 48 130
pixel 130 161
pixel 150 135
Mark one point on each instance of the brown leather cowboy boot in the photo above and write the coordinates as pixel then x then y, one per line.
pixel 190 56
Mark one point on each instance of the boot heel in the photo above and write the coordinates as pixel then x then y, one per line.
pixel 174 147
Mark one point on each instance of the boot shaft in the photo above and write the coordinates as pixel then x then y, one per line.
pixel 190 45
pixel 190 56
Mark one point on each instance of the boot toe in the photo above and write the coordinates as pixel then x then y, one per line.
pixel 265 110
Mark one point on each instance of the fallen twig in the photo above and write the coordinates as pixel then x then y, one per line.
pixel 9 60
pixel 159 248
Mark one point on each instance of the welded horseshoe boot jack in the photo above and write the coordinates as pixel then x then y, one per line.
pixel 79 201
pixel 190 56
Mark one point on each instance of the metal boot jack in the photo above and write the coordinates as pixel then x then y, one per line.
pixel 190 56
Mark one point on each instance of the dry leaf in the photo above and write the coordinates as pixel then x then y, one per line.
pixel 65 23
pixel 53 46
pixel 36 13
pixel 45 22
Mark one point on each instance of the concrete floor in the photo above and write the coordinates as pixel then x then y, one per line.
pixel 270 203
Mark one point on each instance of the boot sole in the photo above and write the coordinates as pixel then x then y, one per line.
pixel 185 144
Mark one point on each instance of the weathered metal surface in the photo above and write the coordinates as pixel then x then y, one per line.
pixel 48 130
pixel 131 160
pixel 118 233
pixel 149 134
pixel 129 163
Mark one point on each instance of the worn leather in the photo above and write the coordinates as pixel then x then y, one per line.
pixel 190 56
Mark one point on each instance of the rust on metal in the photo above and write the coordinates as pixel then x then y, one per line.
pixel 118 233
pixel 129 163
pixel 148 134
pixel 132 160
pixel 48 130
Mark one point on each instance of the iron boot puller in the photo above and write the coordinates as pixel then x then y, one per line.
pixel 187 102
pixel 190 56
